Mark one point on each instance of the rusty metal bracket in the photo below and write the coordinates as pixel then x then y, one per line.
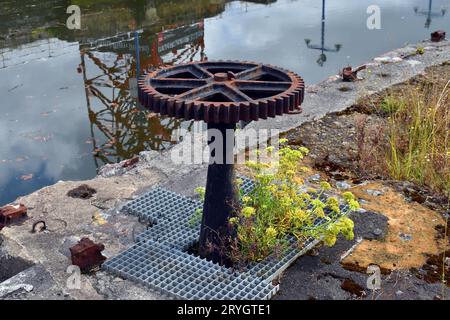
pixel 438 36
pixel 87 255
pixel 349 74
pixel 12 212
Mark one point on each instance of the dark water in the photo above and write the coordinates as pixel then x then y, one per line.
pixel 68 96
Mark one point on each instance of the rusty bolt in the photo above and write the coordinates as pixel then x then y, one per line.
pixel 438 36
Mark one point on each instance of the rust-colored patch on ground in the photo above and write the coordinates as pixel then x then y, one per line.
pixel 411 237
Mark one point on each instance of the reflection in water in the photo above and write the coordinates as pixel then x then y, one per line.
pixel 429 13
pixel 69 97
pixel 116 115
pixel 126 129
pixel 322 47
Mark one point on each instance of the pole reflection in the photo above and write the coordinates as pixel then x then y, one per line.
pixel 429 13
pixel 322 46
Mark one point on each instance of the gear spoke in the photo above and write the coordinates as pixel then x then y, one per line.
pixel 179 83
pixel 250 74
pixel 275 86
pixel 234 94
pixel 200 72
pixel 197 93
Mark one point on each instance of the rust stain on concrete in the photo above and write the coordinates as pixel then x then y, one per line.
pixel 411 232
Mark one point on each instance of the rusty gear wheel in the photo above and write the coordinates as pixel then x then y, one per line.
pixel 221 91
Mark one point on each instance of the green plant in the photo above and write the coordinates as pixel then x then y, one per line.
pixel 196 218
pixel 276 210
pixel 420 50
pixel 391 105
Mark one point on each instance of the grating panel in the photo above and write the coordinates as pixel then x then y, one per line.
pixel 159 259
pixel 179 275
pixel 160 204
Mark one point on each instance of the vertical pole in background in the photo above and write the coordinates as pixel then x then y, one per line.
pixel 138 54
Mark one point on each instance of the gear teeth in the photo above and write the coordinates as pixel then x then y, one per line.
pixel 263 110
pixel 224 114
pixel 179 109
pixel 291 101
pixel 244 112
pixel 254 111
pixel 198 112
pixel 216 114
pixel 171 108
pixel 272 111
pixel 163 107
pixel 234 113
pixel 296 99
pixel 285 104
pixel 155 104
pixel 188 111
pixel 279 106
pixel 207 114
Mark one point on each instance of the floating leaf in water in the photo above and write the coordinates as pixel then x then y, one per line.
pixel 26 177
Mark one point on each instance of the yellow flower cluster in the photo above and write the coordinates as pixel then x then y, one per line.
pixel 275 209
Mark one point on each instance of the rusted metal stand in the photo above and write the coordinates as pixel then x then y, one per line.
pixel 221 93
pixel 221 200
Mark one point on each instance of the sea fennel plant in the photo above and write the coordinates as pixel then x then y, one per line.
pixel 277 210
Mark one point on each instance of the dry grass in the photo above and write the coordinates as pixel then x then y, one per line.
pixel 412 143
pixel 418 132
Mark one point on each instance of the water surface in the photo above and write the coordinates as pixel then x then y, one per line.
pixel 68 96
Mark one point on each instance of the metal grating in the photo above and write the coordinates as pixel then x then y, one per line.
pixel 170 214
pixel 273 267
pixel 176 234
pixel 159 259
pixel 161 204
pixel 179 275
